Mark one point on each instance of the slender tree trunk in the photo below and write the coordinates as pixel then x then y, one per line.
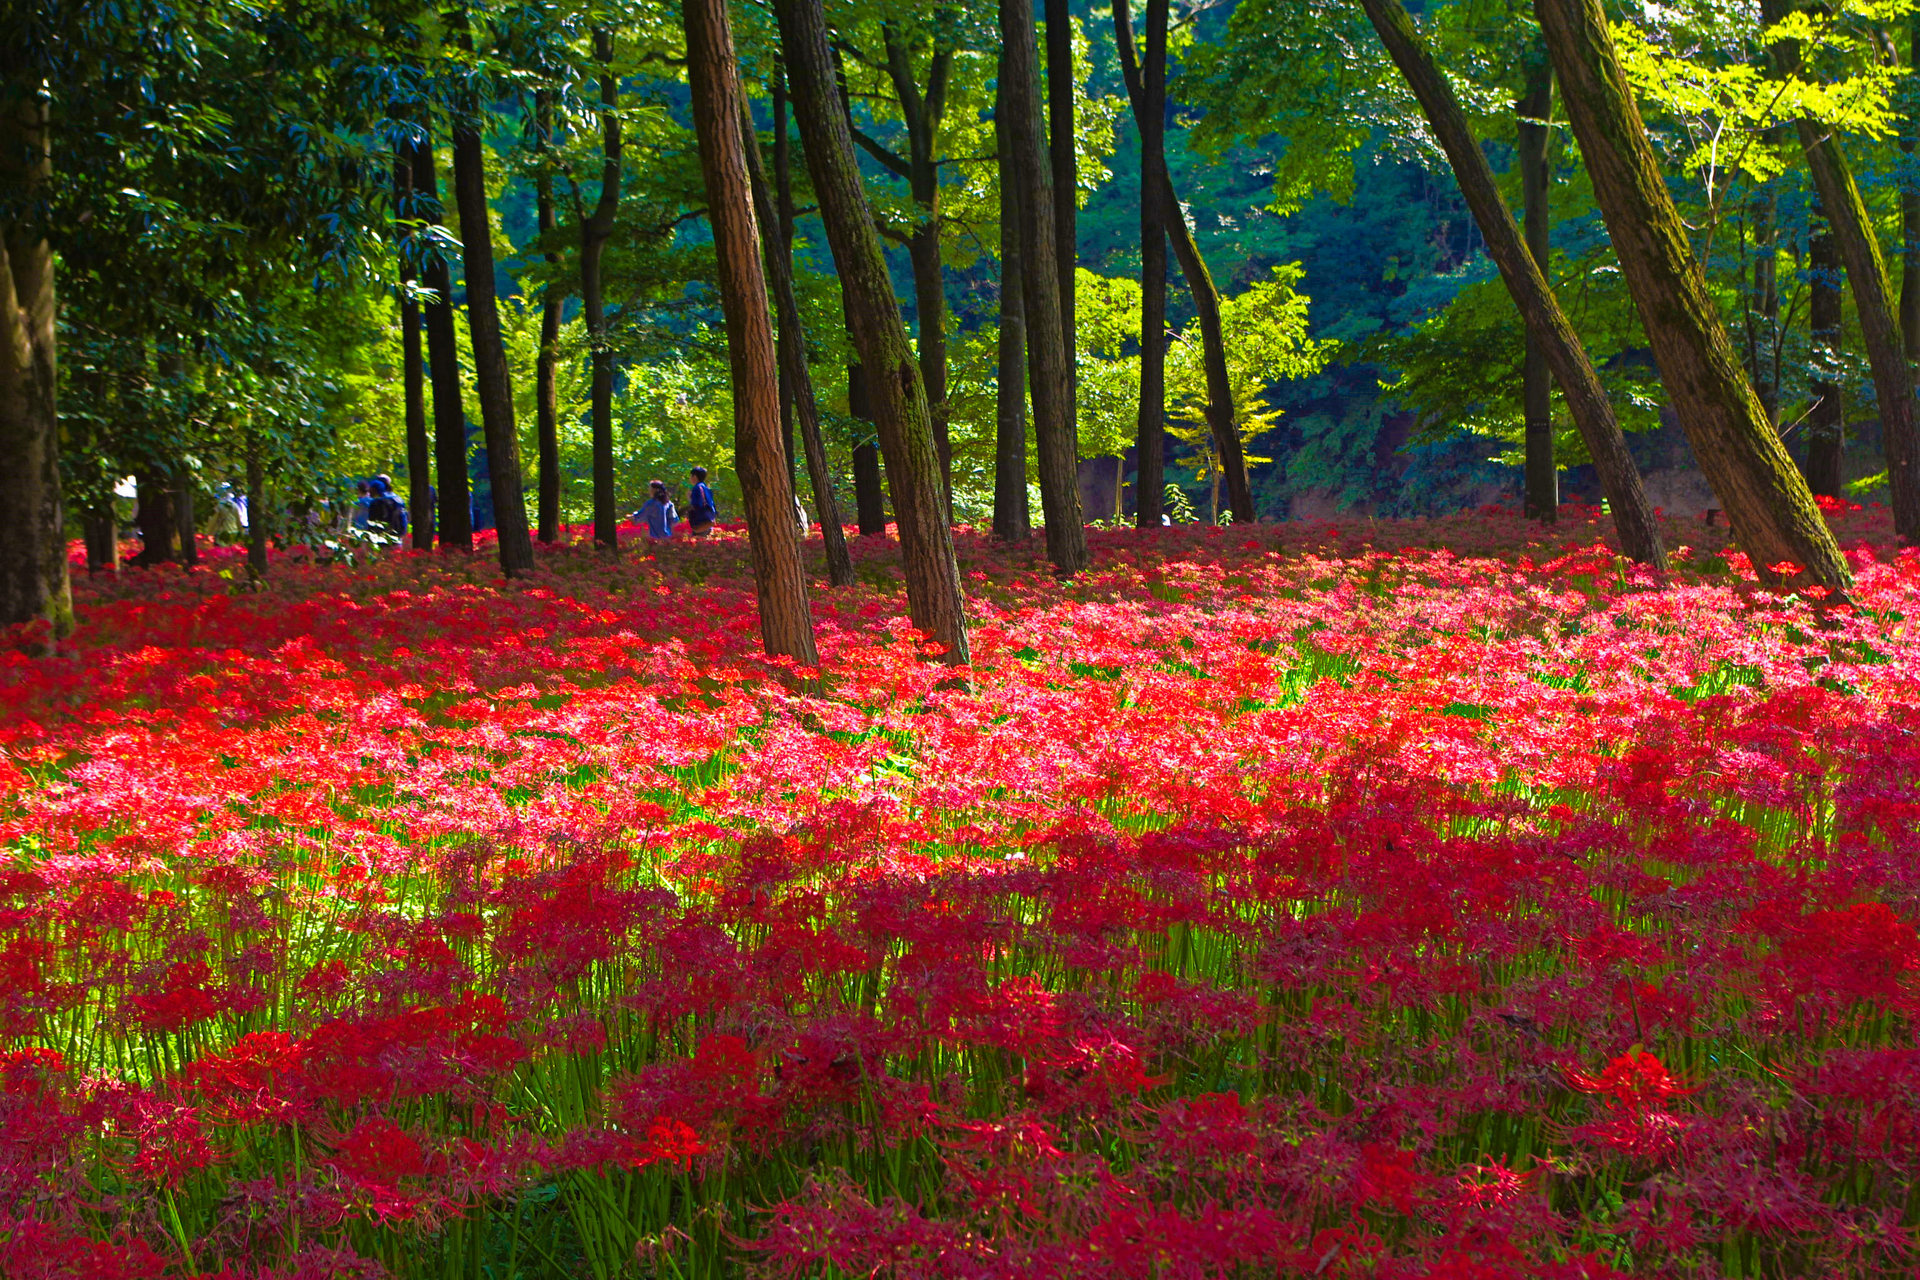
pixel 492 379
pixel 102 533
pixel 792 349
pixel 1150 436
pixel 782 247
pixel 1763 301
pixel 1064 161
pixel 159 525
pixel 1536 386
pixel 1048 348
pixel 546 397
pixel 594 233
pixel 869 492
pixel 1859 247
pixel 1910 206
pixel 454 519
pixel 186 513
pixel 33 544
pixel 1222 423
pixel 780 582
pixel 257 507
pixel 1586 400
pixel 898 397
pixel 1766 501
pixel 413 381
pixel 1012 519
pixel 1827 419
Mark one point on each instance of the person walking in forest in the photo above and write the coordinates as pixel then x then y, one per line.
pixel 658 514
pixel 702 511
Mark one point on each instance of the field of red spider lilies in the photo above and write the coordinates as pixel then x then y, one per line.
pixel 1437 899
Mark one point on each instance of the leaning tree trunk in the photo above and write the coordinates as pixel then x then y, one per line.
pixel 1579 383
pixel 1826 420
pixel 454 518
pixel 1222 424
pixel 1150 435
pixel 1064 161
pixel 33 544
pixel 546 393
pixel 1859 248
pixel 1048 347
pixel 1536 385
pixel 898 398
pixel 1012 518
pixel 492 379
pixel 792 349
pixel 1910 206
pixel 780 581
pixel 595 230
pixel 413 381
pixel 1766 500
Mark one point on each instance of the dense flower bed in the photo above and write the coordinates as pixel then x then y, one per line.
pixel 1412 900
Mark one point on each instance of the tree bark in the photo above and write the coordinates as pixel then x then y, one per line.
pixel 413 381
pixel 1012 518
pixel 1766 500
pixel 869 494
pixel 1064 161
pixel 780 582
pixel 33 545
pixel 1826 420
pixel 1222 422
pixel 102 533
pixel 257 507
pixel 1536 387
pixel 159 524
pixel 898 397
pixel 595 229
pixel 782 231
pixel 1151 429
pixel 1910 207
pixel 546 391
pixel 1048 347
pixel 493 381
pixel 1859 247
pixel 454 519
pixel 187 516
pixel 1586 399
pixel 792 350
pixel 1763 300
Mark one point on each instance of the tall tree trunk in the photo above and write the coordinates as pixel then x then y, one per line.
pixel 1048 348
pixel 1536 387
pixel 792 349
pixel 595 230
pixel 1827 419
pixel 102 533
pixel 869 493
pixel 1012 518
pixel 492 380
pixel 454 519
pixel 186 514
pixel 1910 206
pixel 780 582
pixel 546 396
pixel 1859 247
pixel 1150 434
pixel 413 382
pixel 159 525
pixel 1064 162
pixel 1586 399
pixel 1222 423
pixel 1766 500
pixel 898 397
pixel 782 231
pixel 33 542
pixel 922 114
pixel 1763 300
pixel 257 507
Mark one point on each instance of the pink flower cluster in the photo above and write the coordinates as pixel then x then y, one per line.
pixel 1434 899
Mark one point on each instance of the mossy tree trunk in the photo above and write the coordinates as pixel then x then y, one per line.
pixel 1586 399
pixel 895 392
pixel 1767 502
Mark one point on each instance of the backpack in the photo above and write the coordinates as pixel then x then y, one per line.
pixel 386 512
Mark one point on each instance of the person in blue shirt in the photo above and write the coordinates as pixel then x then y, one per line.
pixel 658 514
pixel 702 511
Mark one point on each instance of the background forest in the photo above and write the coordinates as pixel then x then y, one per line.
pixel 239 267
